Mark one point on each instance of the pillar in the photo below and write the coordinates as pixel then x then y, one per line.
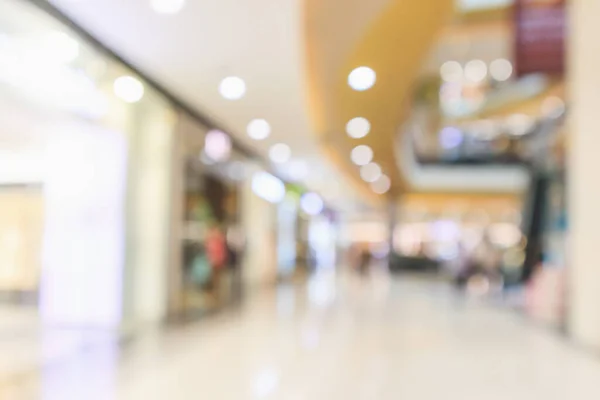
pixel 583 166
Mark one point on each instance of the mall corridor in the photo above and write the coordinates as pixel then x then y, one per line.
pixel 334 338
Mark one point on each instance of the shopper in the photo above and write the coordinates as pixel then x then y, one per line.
pixel 216 249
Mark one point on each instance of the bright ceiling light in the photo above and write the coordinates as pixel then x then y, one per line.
pixel 451 71
pixel 361 155
pixel 128 89
pixel 381 185
pixel 297 170
pixel 311 203
pixel 232 88
pixel 475 71
pixel 370 172
pixel 258 129
pixel 167 6
pixel 358 127
pixel 501 69
pixel 362 78
pixel 217 145
pixel 268 187
pixel 280 153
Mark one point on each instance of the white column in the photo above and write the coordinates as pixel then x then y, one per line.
pixel 149 211
pixel 583 166
pixel 259 265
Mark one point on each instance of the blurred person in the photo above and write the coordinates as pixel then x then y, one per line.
pixel 216 250
pixel 236 244
pixel 364 260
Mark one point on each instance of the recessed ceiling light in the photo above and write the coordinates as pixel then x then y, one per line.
pixel 232 88
pixel 362 78
pixel 475 71
pixel 381 185
pixel 361 155
pixel 258 129
pixel 370 172
pixel 268 187
pixel 451 71
pixel 128 89
pixel 297 170
pixel 167 6
pixel 217 145
pixel 501 69
pixel 358 127
pixel 280 153
pixel 311 203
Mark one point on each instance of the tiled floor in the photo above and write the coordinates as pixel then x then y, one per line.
pixel 348 339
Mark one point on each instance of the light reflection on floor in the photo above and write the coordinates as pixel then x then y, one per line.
pixel 336 337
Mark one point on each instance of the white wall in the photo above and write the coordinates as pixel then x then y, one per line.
pixel 259 224
pixel 83 247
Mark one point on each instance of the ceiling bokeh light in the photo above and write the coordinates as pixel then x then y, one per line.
pixel 362 78
pixel 361 155
pixel 232 88
pixel 370 172
pixel 358 127
pixel 280 153
pixel 501 69
pixel 128 89
pixel 167 6
pixel 476 71
pixel 258 129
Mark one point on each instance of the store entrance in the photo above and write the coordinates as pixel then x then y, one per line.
pixel 21 212
pixel 62 191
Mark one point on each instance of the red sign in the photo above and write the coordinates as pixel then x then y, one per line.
pixel 540 27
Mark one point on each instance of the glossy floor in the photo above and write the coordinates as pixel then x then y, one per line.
pixel 332 339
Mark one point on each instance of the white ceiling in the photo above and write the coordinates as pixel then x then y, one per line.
pixel 189 53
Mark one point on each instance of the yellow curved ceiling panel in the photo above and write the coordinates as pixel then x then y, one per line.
pixel 390 36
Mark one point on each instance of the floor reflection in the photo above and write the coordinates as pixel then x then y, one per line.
pixel 338 336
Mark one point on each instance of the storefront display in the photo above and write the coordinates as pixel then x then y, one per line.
pixel 88 147
pixel 21 230
pixel 208 267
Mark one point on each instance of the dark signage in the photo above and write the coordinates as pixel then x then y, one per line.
pixel 540 31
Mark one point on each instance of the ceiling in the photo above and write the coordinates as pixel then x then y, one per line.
pixel 191 52
pixel 295 56
pixel 393 38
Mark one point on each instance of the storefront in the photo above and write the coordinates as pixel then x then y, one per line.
pixel 205 274
pixel 86 153
pixel 112 192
